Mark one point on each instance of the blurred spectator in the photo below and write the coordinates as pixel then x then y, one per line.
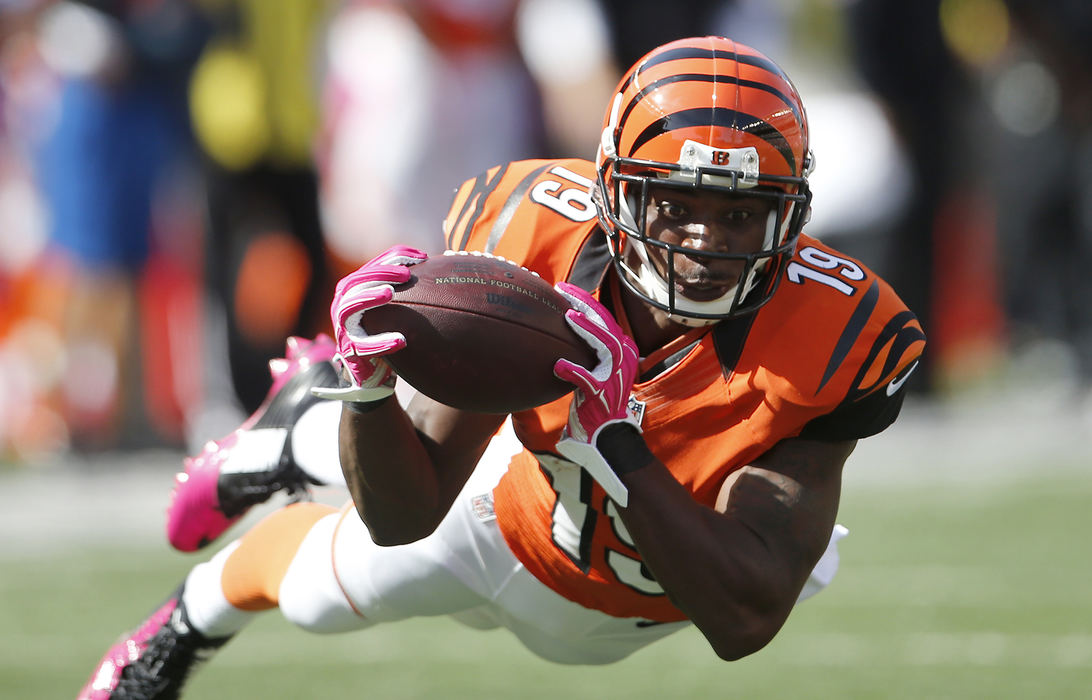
pixel 95 105
pixel 331 129
pixel 902 58
pixel 253 99
pixel 941 252
pixel 418 96
pixel 576 49
pixel 638 26
pixel 1040 93
pixel 993 102
pixel 30 348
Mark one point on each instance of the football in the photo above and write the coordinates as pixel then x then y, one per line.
pixel 482 333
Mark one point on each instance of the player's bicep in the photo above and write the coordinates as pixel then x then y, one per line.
pixel 454 439
pixel 788 499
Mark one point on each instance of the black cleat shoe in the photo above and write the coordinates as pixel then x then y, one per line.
pixel 247 467
pixel 153 661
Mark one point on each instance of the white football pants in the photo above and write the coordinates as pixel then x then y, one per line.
pixel 340 580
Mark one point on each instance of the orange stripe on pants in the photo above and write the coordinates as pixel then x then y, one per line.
pixel 253 572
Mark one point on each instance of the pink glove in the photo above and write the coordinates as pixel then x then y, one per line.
pixel 602 394
pixel 370 376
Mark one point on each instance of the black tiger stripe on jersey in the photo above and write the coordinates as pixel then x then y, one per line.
pixel 852 330
pixel 667 363
pixel 691 52
pixel 856 419
pixel 592 262
pixel 708 78
pixel 718 116
pixel 483 187
pixel 901 333
pixel 729 337
pixel 508 210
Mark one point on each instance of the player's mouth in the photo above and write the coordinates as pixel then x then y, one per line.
pixel 704 288
pixel 698 280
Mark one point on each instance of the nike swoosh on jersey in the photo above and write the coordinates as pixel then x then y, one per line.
pixel 897 382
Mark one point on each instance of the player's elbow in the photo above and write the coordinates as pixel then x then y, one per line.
pixel 389 530
pixel 392 537
pixel 739 643
pixel 740 630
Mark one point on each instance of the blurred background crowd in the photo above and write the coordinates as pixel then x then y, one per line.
pixel 182 182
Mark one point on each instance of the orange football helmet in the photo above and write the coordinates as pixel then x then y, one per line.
pixel 711 114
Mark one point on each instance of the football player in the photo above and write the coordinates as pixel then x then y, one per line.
pixel 693 475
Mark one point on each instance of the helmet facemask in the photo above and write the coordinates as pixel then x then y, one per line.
pixel 704 114
pixel 647 266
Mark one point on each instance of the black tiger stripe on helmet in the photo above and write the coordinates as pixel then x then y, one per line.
pixel 715 66
pixel 718 116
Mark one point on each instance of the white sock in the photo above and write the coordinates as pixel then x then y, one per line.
pixel 315 443
pixel 209 612
pixel 315 438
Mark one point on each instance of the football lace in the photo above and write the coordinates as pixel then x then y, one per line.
pixel 480 254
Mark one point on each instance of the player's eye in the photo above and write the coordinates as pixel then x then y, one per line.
pixel 673 211
pixel 737 216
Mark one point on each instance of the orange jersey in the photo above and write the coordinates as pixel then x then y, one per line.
pixel 825 358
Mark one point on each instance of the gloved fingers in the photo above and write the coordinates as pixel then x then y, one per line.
pixel 352 393
pixel 372 276
pixel 588 305
pixel 369 379
pixel 585 326
pixel 577 375
pixel 350 317
pixel 399 255
pixel 373 283
pixel 581 325
pixel 389 267
pixel 358 300
pixel 376 345
pixel 612 349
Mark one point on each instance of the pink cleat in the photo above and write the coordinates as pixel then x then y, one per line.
pixel 247 467
pixel 153 661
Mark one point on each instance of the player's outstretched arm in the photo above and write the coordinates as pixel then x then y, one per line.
pixel 736 570
pixel 404 468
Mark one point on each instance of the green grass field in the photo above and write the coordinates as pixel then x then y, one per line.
pixel 945 591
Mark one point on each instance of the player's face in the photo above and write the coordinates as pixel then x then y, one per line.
pixel 704 222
